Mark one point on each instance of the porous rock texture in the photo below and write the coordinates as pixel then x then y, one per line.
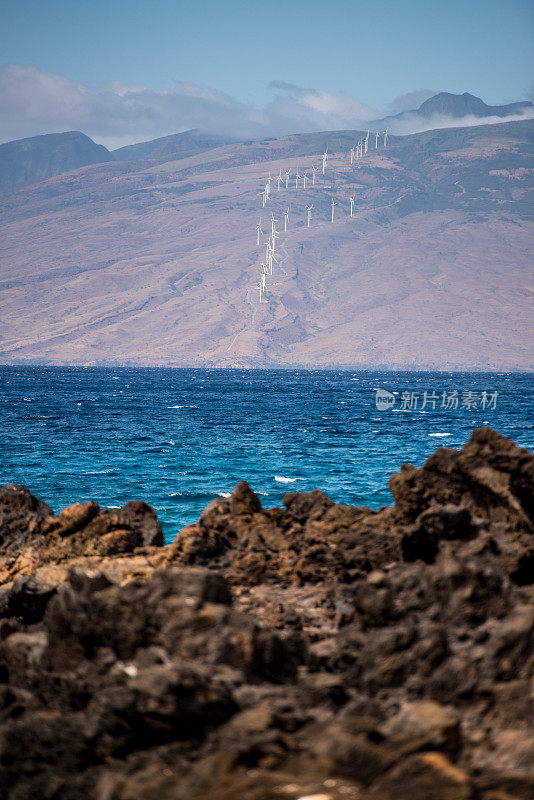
pixel 316 651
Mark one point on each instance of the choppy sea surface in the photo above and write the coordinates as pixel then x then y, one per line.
pixel 178 438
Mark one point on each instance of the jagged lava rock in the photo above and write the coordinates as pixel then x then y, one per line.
pixel 314 650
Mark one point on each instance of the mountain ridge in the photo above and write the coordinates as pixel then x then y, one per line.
pixel 27 161
pixel 466 104
pixel 147 264
pixel 36 158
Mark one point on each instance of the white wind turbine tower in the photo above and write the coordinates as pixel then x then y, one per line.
pixel 325 158
pixel 376 140
pixel 268 189
pixel 367 141
pixel 274 236
pixel 305 178
pixel 263 196
pixel 308 211
pixel 279 180
pixel 287 174
pixel 268 258
pixel 297 178
pixel 286 218
pixel 314 170
pixel 261 290
pixel 333 204
pixel 386 137
pixel 267 251
pixel 259 230
pixel 351 206
pixel 273 225
pixel 352 154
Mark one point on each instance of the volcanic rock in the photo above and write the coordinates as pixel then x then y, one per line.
pixel 314 650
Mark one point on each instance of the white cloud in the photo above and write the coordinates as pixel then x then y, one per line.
pixel 412 123
pixel 33 102
pixel 410 100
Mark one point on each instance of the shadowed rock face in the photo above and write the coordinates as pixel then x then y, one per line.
pixel 316 649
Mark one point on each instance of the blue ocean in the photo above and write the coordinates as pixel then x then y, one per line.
pixel 178 438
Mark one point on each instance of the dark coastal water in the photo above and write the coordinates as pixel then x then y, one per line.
pixel 178 438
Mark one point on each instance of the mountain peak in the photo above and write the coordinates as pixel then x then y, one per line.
pixel 466 104
pixel 26 161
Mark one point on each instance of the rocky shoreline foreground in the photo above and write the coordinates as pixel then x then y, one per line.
pixel 312 651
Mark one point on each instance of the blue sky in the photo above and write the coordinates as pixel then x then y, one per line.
pixel 109 57
pixel 372 50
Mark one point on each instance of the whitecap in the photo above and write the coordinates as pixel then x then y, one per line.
pixel 26 399
pixel 440 434
pixel 171 441
pixel 283 479
pixel 224 494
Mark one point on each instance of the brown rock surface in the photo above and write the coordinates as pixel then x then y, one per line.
pixel 316 650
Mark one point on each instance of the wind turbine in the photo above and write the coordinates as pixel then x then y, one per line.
pixel 333 204
pixel 325 158
pixel 314 170
pixel 268 257
pixel 286 218
pixel 376 140
pixel 297 178
pixel 263 196
pixel 309 210
pixel 279 180
pixel 261 289
pixel 259 230
pixel 366 141
pixel 352 154
pixel 351 206
pixel 287 173
pixel 386 137
pixel 268 188
pixel 305 178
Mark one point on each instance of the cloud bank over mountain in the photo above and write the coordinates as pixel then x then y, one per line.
pixel 34 101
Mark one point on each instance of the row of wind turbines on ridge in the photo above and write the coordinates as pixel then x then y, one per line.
pixel 355 154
